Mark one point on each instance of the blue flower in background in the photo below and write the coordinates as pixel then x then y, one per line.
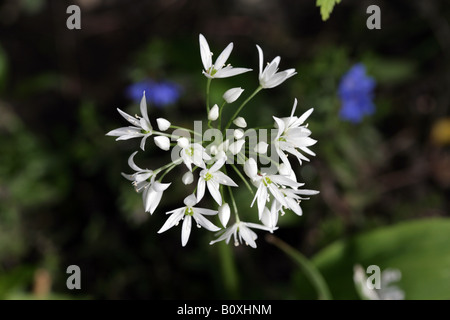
pixel 159 94
pixel 356 93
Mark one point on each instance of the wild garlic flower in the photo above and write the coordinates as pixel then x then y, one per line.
pixel 186 214
pixel 213 178
pixel 223 159
pixel 192 153
pixel 141 125
pixel 218 69
pixel 270 77
pixel 242 233
pixel 293 136
pixel 144 181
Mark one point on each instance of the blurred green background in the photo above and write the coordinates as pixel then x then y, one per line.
pixel 384 182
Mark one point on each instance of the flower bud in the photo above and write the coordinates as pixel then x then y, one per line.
pixel 240 122
pixel 213 113
pixel 238 133
pixel 187 178
pixel 236 146
pixel 183 142
pixel 163 124
pixel 261 147
pixel 162 142
pixel 232 95
pixel 224 214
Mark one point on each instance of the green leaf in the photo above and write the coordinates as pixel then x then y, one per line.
pixel 326 7
pixel 419 249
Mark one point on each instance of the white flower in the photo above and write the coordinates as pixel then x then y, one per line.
pixel 218 69
pixel 186 214
pixel 152 190
pixel 232 94
pixel 192 153
pixel 140 177
pixel 141 125
pixel 213 178
pixel 270 78
pixel 162 142
pixel 163 124
pixel 267 183
pixel 240 122
pixel 261 147
pixel 293 135
pixel 187 178
pixel 224 214
pixel 242 233
pixel 152 195
pixel 292 198
pixel 213 113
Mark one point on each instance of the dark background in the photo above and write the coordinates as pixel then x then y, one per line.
pixel 63 201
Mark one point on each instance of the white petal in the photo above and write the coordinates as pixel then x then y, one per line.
pixel 284 169
pixel 172 220
pixel 163 124
pixel 129 118
pixel 224 214
pixel 222 178
pixel 200 188
pixel 207 212
pixel 124 131
pixel 266 218
pixel 205 223
pixel 262 199
pixel 143 142
pixel 226 235
pixel 160 187
pixel 213 113
pixel 213 188
pixel 162 142
pixel 223 57
pixel 186 230
pixel 248 235
pixel 261 59
pixel 219 163
pixel 251 168
pixel 187 178
pixel 230 72
pixel 143 107
pixel 240 122
pixel 131 162
pixel 205 53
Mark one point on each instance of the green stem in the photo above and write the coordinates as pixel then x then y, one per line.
pixel 220 115
pixel 243 179
pixel 229 272
pixel 208 85
pixel 188 130
pixel 310 271
pixel 242 106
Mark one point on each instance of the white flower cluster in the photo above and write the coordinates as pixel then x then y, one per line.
pixel 273 190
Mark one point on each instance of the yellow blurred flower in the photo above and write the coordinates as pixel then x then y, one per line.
pixel 440 132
